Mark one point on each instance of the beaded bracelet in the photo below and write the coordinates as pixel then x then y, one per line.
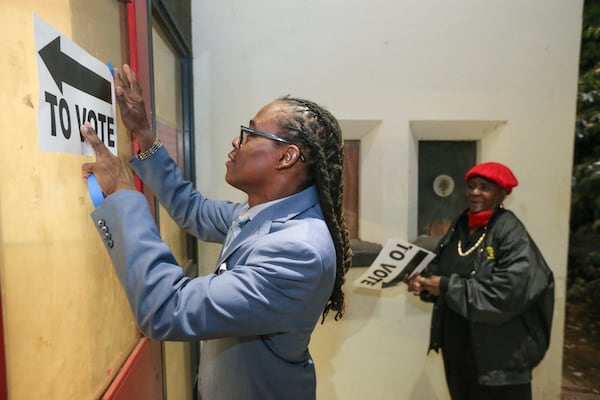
pixel 150 152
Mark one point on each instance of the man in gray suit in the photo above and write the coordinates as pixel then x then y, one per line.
pixel 283 261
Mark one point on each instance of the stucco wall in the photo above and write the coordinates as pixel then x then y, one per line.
pixel 503 72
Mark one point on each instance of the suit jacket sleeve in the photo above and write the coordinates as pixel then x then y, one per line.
pixel 203 218
pixel 276 279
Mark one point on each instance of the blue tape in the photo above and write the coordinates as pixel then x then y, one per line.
pixel 95 191
pixel 111 68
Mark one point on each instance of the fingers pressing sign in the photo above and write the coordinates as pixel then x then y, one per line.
pixel 131 104
pixel 90 136
pixel 110 171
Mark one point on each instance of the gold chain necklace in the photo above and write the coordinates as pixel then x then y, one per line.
pixel 472 248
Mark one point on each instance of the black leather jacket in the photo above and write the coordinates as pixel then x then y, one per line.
pixel 508 300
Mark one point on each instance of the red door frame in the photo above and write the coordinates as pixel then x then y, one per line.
pixel 138 31
pixel 141 377
pixel 3 385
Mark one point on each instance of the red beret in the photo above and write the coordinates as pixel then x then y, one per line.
pixel 496 172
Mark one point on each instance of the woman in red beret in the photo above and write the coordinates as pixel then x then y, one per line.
pixel 493 294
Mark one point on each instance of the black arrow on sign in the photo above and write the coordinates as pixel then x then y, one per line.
pixel 64 69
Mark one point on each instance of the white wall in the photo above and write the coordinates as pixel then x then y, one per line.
pixel 500 71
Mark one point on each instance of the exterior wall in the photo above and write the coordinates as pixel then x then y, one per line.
pixel 500 72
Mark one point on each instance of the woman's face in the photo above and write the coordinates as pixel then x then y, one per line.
pixel 483 194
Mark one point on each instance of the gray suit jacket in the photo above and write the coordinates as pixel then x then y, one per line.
pixel 257 316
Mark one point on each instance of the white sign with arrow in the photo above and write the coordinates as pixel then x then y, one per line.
pixel 74 88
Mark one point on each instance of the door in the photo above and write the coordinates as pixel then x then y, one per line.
pixel 180 358
pixel 159 57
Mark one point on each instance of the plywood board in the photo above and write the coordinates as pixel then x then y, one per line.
pixel 68 327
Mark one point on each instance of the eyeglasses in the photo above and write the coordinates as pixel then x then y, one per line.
pixel 244 129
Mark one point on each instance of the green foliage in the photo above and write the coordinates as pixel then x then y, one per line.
pixel 585 200
pixel 585 280
pixel 585 196
pixel 584 260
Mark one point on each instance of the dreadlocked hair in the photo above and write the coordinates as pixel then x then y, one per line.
pixel 316 129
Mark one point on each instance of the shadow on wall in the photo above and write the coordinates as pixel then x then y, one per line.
pixel 357 356
pixel 328 338
pixel 423 389
pixel 363 253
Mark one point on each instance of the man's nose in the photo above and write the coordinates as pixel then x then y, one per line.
pixel 235 142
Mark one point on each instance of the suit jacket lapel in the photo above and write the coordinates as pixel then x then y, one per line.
pixel 249 231
pixel 261 223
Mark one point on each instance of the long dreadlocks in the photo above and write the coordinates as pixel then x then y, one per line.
pixel 315 128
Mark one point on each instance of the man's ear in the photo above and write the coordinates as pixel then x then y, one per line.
pixel 289 157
